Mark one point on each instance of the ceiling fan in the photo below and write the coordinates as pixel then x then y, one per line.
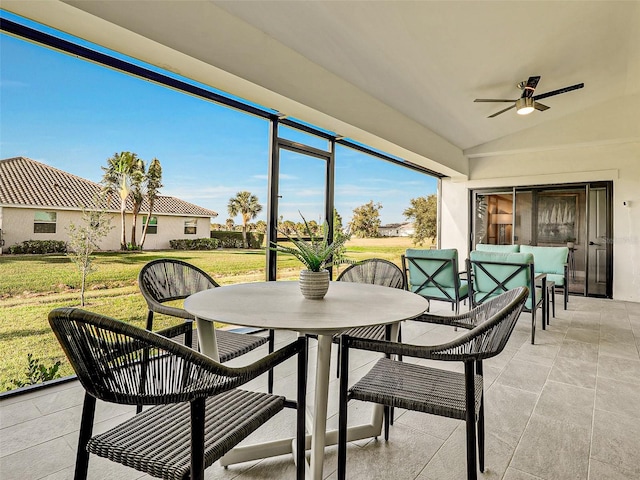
pixel 528 102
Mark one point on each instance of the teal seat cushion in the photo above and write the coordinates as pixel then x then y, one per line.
pixel 548 259
pixel 486 247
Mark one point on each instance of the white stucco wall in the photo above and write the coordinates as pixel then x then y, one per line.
pixel 17 226
pixel 618 162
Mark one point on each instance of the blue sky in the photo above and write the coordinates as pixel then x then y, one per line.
pixel 73 115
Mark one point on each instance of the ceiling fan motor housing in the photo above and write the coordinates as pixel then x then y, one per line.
pixel 525 105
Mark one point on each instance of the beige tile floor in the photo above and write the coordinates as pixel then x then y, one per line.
pixel 565 408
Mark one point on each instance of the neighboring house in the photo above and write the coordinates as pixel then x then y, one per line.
pixel 396 230
pixel 37 202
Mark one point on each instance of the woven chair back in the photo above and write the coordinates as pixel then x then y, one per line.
pixel 495 320
pixel 168 279
pixel 120 363
pixel 375 271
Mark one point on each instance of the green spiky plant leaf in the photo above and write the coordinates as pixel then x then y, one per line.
pixel 315 254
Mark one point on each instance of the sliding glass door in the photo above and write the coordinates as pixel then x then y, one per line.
pixel 578 216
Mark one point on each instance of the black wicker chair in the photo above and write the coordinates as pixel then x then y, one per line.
pixel 166 279
pixel 374 271
pixel 431 390
pixel 198 413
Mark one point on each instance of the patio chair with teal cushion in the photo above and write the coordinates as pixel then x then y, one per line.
pixel 554 261
pixel 427 388
pixel 197 412
pixel 434 275
pixel 491 274
pixel 489 247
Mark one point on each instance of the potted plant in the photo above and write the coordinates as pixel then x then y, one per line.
pixel 316 254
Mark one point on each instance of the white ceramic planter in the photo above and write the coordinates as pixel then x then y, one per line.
pixel 314 285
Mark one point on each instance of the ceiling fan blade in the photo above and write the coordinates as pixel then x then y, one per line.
pixel 531 85
pixel 492 100
pixel 559 91
pixel 540 106
pixel 501 111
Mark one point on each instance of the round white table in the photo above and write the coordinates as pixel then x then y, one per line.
pixel 281 306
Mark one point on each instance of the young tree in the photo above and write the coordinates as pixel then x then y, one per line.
pixel 229 223
pixel 246 204
pixel 366 220
pixel 117 180
pixel 424 213
pixel 83 241
pixel 153 180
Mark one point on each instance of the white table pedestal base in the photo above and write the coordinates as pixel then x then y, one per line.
pixel 319 423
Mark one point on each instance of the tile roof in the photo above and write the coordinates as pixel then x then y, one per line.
pixel 25 182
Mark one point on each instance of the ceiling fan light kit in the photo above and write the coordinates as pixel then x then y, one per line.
pixel 527 102
pixel 524 106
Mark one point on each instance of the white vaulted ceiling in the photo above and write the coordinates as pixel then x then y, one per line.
pixel 397 75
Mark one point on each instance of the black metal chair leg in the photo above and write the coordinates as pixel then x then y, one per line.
pixel 86 428
pixel 342 414
pixel 533 325
pixel 386 415
pixel 197 439
pixel 150 320
pixel 272 346
pixel 472 473
pixel 301 413
pixel 480 423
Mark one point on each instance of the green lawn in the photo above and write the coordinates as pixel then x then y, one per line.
pixel 32 285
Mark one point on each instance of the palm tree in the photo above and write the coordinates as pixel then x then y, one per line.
pixel 245 204
pixel 138 187
pixel 117 180
pixel 154 184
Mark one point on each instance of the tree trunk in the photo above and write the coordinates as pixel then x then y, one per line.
pixel 134 223
pixel 146 225
pixel 123 233
pixel 244 236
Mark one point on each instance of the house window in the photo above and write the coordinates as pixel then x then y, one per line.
pixel 44 222
pixel 190 226
pixel 153 225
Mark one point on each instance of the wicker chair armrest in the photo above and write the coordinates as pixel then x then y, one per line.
pixel 462 320
pixel 428 352
pixel 468 346
pixel 466 320
pixel 176 330
pixel 158 307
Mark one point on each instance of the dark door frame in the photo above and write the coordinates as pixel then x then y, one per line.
pixel 535 189
pixel 276 144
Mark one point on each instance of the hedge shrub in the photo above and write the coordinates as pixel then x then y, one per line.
pixel 232 239
pixel 39 246
pixel 194 244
